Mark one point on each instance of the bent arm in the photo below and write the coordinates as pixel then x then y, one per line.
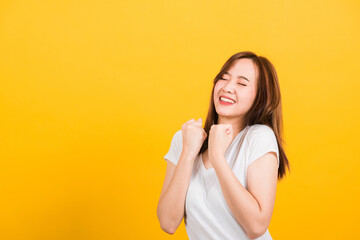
pixel 252 208
pixel 171 206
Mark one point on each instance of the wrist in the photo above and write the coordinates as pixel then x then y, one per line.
pixel 188 155
pixel 217 159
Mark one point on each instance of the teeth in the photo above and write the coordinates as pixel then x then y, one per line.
pixel 226 100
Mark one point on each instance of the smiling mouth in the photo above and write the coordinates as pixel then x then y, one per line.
pixel 226 100
pixel 225 103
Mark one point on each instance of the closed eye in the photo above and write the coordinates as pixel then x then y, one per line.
pixel 238 83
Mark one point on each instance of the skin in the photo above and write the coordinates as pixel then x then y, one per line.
pixel 252 207
pixel 242 91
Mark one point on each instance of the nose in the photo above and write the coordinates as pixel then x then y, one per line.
pixel 229 87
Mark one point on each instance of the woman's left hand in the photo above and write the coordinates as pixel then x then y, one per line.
pixel 220 137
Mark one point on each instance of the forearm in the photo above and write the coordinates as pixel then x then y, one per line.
pixel 171 205
pixel 241 202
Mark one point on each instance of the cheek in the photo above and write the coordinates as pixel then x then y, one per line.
pixel 217 86
pixel 251 99
pixel 250 93
pixel 217 89
pixel 247 97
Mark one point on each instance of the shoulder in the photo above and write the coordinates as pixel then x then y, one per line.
pixel 178 135
pixel 261 134
pixel 261 130
pixel 175 150
pixel 177 139
pixel 262 139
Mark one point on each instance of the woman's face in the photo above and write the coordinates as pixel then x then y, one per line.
pixel 238 83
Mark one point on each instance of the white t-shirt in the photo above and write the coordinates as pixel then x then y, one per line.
pixel 207 214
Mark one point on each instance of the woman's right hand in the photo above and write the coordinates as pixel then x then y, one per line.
pixel 193 136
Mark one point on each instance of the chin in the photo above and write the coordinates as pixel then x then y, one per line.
pixel 225 113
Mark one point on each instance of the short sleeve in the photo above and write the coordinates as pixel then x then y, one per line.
pixel 175 150
pixel 262 141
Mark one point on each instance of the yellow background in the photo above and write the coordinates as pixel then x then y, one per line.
pixel 92 92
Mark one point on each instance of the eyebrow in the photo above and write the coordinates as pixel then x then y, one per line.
pixel 238 76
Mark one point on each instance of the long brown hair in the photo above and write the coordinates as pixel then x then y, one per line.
pixel 266 108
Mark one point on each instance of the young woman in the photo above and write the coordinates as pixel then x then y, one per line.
pixel 222 178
